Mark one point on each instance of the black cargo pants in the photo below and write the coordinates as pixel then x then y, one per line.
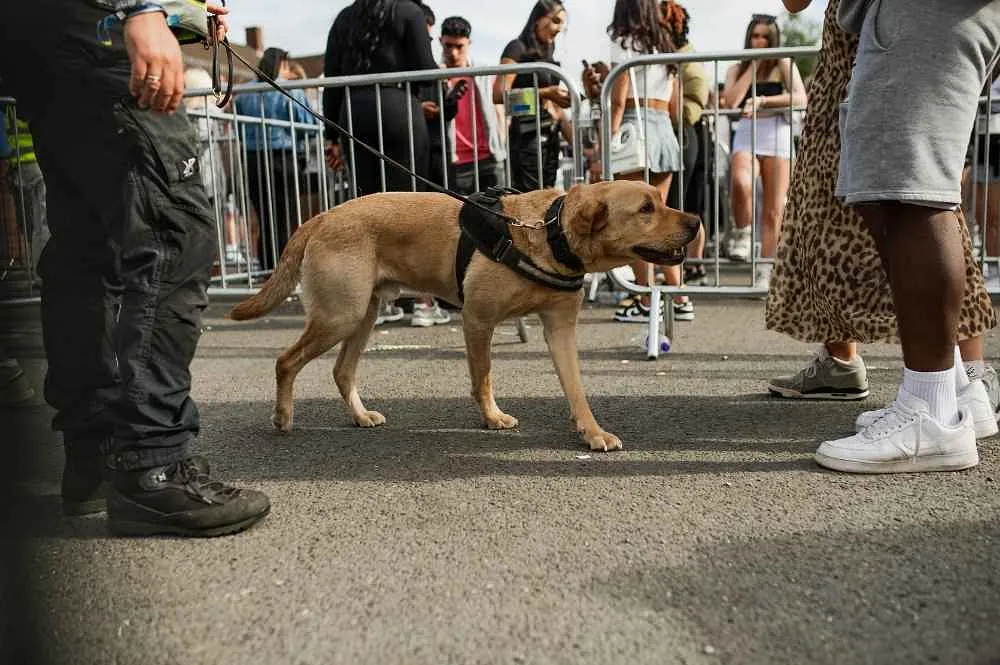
pixel 126 270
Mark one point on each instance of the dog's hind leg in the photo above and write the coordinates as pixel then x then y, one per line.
pixel 560 335
pixel 346 369
pixel 477 350
pixel 316 339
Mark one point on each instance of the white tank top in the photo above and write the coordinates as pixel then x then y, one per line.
pixel 654 77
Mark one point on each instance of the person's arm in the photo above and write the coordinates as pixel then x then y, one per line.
pixel 157 68
pixel 796 96
pixel 675 99
pixel 416 42
pixel 300 114
pixel 451 97
pixel 556 94
pixel 795 6
pixel 619 93
pixel 737 85
pixel 501 83
pixel 695 91
pixel 333 97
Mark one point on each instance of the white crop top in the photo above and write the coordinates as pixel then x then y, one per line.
pixel 659 80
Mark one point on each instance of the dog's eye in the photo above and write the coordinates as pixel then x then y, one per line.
pixel 648 208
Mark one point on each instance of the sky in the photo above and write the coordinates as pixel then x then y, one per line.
pixel 301 26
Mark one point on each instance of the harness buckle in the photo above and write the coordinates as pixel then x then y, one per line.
pixel 501 248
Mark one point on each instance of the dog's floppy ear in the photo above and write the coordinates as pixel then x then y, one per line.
pixel 591 217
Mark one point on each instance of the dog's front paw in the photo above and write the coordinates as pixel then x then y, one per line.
pixel 369 419
pixel 601 440
pixel 282 420
pixel 500 420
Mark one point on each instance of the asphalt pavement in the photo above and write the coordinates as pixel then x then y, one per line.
pixel 713 538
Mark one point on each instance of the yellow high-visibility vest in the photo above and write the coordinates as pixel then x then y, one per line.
pixel 21 146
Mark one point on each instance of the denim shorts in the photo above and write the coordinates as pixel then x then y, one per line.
pixel 662 148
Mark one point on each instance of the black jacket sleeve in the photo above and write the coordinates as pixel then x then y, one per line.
pixel 333 97
pixel 416 41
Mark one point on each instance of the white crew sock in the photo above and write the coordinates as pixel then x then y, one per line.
pixel 938 390
pixel 961 378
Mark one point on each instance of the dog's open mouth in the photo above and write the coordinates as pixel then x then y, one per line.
pixel 659 257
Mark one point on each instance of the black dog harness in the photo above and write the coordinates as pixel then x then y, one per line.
pixel 490 234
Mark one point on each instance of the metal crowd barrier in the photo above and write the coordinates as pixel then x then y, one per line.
pixel 228 159
pixel 659 326
pixel 17 240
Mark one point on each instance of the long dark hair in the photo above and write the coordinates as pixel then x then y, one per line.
pixel 533 49
pixel 360 35
pixel 773 41
pixel 636 26
pixel 270 62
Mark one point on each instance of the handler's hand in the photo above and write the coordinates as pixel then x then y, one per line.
pixel 157 69
pixel 220 14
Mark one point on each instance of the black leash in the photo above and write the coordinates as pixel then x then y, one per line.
pixel 511 221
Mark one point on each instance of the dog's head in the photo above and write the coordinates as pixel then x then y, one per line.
pixel 613 223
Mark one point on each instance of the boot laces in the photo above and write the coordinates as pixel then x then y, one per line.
pixel 200 484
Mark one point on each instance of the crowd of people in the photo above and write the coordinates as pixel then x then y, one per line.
pixel 874 247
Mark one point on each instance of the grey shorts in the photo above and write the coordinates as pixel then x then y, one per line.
pixel 662 148
pixel 912 99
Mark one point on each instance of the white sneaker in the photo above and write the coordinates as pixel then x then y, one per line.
pixel 425 316
pixel 992 384
pixel 973 397
pixel 389 313
pixel 904 439
pixel 739 244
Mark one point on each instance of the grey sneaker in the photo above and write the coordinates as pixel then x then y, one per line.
pixel 824 378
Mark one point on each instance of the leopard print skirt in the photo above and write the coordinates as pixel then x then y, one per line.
pixel 828 284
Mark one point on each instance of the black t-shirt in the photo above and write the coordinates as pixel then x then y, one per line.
pixel 405 46
pixel 518 52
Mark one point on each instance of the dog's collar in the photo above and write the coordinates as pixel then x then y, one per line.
pixel 490 235
pixel 556 237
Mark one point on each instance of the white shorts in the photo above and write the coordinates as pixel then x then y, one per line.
pixel 773 137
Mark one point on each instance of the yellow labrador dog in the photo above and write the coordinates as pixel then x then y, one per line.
pixel 351 256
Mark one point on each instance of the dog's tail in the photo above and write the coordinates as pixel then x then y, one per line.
pixel 282 281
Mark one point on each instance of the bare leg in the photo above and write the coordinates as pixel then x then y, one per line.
pixel 741 189
pixel 987 216
pixel 845 351
pixel 775 173
pixel 346 370
pixel 972 348
pixel 923 256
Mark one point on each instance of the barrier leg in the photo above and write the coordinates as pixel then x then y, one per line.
pixel 596 278
pixel 522 329
pixel 653 334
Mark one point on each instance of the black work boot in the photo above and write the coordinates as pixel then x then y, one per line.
pixel 84 479
pixel 181 499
